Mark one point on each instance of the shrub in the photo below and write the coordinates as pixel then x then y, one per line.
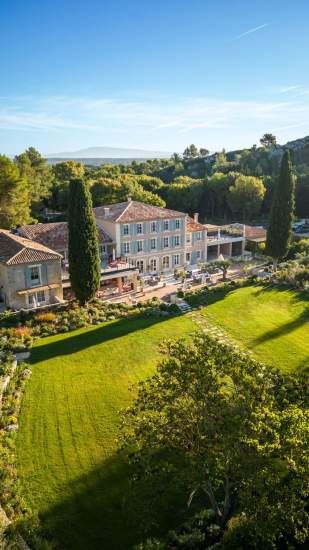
pixel 47 317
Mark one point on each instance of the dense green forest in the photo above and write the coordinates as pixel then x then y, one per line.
pixel 221 187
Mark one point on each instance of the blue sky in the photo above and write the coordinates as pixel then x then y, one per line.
pixel 152 74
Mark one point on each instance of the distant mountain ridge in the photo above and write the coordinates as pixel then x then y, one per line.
pixel 110 152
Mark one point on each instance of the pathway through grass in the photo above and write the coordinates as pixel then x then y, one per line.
pixel 272 322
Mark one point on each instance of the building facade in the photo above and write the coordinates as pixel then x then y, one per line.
pixel 30 273
pixel 133 238
pixel 158 240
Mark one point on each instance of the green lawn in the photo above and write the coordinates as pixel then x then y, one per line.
pixel 67 462
pixel 66 445
pixel 272 322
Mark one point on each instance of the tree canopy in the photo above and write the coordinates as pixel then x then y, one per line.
pixel 219 424
pixel 246 196
pixel 268 140
pixel 14 195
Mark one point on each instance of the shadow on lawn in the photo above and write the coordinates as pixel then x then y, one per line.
pixel 105 511
pixel 296 295
pixel 283 329
pixel 77 341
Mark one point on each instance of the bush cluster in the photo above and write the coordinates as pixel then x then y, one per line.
pixel 10 499
pixel 292 273
pixel 18 331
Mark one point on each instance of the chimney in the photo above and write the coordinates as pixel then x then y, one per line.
pixel 106 211
pixel 196 217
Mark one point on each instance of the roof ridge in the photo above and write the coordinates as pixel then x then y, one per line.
pixel 125 210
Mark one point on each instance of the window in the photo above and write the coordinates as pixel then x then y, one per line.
pixel 102 248
pixel 126 248
pixel 198 236
pixel 165 242
pixel 153 227
pixel 139 246
pixel 40 297
pixel 35 275
pixel 140 265
pixel 165 225
pixel 198 254
pixel 153 244
pixel 139 228
pixel 153 264
pixel 177 240
pixel 177 224
pixel 188 257
pixel 126 229
pixel 176 259
pixel 37 298
pixel 166 262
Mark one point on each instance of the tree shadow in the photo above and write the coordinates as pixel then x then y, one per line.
pixel 104 510
pixel 81 339
pixel 283 329
pixel 297 295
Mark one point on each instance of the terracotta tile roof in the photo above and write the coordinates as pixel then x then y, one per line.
pixel 255 232
pixel 131 211
pixel 54 235
pixel 192 225
pixel 210 226
pixel 17 250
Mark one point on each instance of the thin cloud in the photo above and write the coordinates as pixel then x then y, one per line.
pixel 251 31
pixel 286 89
pixel 153 122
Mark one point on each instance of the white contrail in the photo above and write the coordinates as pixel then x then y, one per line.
pixel 250 31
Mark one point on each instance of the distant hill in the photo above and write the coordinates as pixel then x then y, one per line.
pixel 110 153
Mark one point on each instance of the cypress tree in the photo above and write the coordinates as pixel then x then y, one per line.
pixel 281 215
pixel 84 262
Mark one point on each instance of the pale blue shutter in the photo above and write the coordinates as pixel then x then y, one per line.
pixel 44 274
pixel 27 277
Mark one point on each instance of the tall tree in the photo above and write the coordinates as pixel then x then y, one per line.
pixel 191 151
pixel 84 263
pixel 14 195
pixel 268 140
pixel 35 169
pixel 282 210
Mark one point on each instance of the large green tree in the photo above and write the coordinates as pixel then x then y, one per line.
pixel 216 422
pixel 282 210
pixel 245 196
pixel 34 168
pixel 14 195
pixel 63 173
pixel 268 140
pixel 84 262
